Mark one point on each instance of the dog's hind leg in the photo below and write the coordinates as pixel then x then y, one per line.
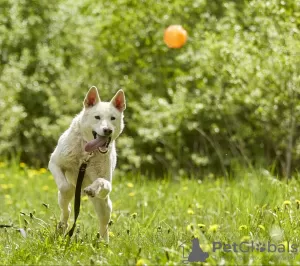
pixel 103 208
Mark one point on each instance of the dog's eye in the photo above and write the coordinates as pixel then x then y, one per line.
pixel 113 118
pixel 97 117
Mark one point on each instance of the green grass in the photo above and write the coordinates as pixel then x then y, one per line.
pixel 151 219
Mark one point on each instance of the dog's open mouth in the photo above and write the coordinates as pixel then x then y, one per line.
pixel 99 142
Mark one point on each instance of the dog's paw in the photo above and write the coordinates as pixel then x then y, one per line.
pixel 90 191
pixel 99 188
pixel 61 227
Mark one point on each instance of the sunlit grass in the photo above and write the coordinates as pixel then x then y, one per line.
pixel 150 220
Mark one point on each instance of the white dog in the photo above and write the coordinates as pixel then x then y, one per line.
pixel 92 136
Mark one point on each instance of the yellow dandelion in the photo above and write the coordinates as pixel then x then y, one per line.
pixel 287 203
pixel 141 262
pixel 297 202
pixel 5 186
pixel 85 198
pixel 190 227
pixel 190 211
pixel 262 227
pixel 45 188
pixel 131 194
pixel 111 234
pixel 32 173
pixel 134 215
pixel 2 164
pixel 22 165
pixel 185 188
pixel 201 226
pixel 130 185
pixel 213 228
pixel 43 171
pixel 243 227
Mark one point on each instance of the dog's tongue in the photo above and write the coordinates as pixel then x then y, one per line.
pixel 95 144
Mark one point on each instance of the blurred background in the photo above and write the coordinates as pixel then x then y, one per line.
pixel 229 98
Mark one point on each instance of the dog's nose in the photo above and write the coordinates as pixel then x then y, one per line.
pixel 107 131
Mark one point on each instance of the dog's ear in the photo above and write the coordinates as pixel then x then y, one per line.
pixel 91 98
pixel 118 101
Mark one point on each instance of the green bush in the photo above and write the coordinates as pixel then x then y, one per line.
pixel 229 96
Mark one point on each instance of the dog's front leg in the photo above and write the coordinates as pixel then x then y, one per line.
pixel 100 188
pixel 103 208
pixel 99 194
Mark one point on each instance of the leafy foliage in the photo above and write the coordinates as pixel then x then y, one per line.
pixel 230 95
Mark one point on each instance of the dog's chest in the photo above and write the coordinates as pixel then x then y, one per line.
pixel 99 166
pixel 71 155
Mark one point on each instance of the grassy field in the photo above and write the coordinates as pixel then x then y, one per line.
pixel 151 220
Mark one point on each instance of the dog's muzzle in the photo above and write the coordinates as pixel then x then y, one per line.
pixel 99 142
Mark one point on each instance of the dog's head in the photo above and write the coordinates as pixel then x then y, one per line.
pixel 102 122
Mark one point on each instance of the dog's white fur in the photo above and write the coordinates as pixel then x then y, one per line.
pixel 70 153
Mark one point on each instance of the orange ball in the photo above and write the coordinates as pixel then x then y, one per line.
pixel 175 36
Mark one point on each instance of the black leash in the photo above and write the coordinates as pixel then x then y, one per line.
pixel 78 195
